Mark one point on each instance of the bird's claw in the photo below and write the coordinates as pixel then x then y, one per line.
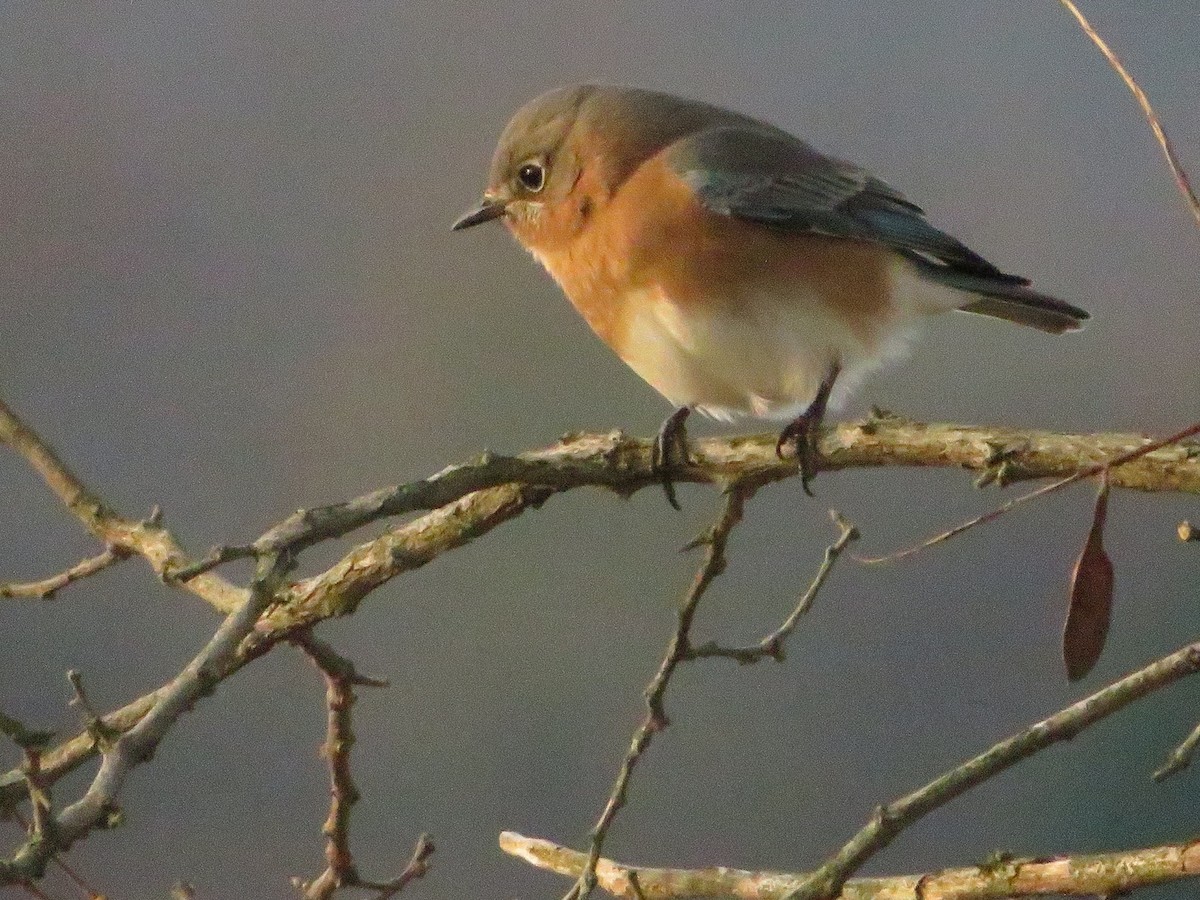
pixel 670 448
pixel 801 436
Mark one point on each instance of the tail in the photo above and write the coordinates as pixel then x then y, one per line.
pixel 1007 297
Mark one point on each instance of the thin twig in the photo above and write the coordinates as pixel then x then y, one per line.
pixel 1181 756
pixel 98 806
pixel 1160 133
pixel 418 865
pixel 79 881
pixel 340 677
pixel 1104 874
pixel 773 644
pixel 678 648
pixel 146 537
pixel 888 821
pixel 993 514
pixel 46 588
pixel 34 891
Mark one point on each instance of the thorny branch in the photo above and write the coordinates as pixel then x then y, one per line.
pixel 340 678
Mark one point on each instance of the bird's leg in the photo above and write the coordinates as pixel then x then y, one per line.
pixel 802 432
pixel 671 440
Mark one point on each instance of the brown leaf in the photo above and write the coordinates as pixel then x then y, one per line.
pixel 1091 597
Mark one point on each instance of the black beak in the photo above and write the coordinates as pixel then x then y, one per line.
pixel 484 212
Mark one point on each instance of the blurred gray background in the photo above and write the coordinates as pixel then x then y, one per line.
pixel 229 288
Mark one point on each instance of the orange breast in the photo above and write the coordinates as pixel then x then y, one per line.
pixel 654 234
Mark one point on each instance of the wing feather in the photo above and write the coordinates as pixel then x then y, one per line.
pixel 767 176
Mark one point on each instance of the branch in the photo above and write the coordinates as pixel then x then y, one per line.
pixel 1105 468
pixel 622 464
pixel 97 807
pixel 48 587
pixel 1103 874
pixel 773 644
pixel 1160 134
pixel 497 488
pixel 147 537
pixel 612 460
pixel 340 677
pixel 888 821
pixel 1181 756
pixel 678 649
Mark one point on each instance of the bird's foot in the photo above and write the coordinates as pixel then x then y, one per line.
pixel 802 433
pixel 800 437
pixel 670 448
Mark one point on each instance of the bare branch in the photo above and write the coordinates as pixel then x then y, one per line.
pixel 340 677
pixel 1181 757
pixel 97 807
pixel 505 486
pixel 48 587
pixel 1160 133
pixel 418 865
pixel 888 821
pixel 1107 468
pixel 678 649
pixel 773 644
pixel 622 463
pixel 1102 874
pixel 146 537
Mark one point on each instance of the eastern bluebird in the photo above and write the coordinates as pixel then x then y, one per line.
pixel 732 266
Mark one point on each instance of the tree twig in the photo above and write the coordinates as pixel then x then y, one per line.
pixel 678 648
pixel 773 644
pixel 1160 133
pixel 622 464
pixel 97 807
pixel 1109 468
pixel 889 820
pixel 1181 756
pixel 340 678
pixel 146 537
pixel 1101 874
pixel 46 588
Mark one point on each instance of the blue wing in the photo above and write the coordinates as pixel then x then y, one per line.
pixel 769 177
pixel 761 174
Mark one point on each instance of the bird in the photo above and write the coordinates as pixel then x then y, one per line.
pixel 736 269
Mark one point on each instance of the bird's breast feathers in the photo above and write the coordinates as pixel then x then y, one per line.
pixel 761 354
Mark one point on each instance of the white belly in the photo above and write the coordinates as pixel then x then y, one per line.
pixel 763 356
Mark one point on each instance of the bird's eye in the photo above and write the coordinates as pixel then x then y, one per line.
pixel 532 176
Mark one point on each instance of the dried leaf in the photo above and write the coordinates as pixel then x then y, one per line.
pixel 1091 597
